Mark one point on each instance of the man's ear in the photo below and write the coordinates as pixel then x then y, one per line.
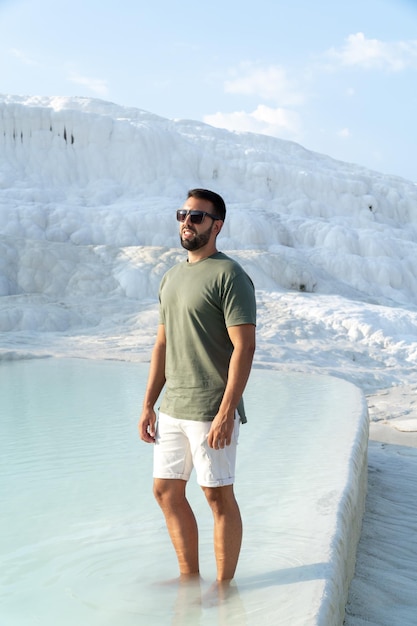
pixel 218 225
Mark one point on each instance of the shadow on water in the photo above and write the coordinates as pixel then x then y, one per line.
pixel 285 576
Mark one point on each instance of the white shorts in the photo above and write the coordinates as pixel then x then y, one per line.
pixel 182 444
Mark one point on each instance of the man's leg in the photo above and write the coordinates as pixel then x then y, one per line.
pixel 227 529
pixel 180 521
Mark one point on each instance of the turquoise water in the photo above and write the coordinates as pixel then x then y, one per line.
pixel 83 543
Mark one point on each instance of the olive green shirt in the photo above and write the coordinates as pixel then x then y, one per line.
pixel 198 302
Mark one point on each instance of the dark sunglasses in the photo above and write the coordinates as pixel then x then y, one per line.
pixel 196 217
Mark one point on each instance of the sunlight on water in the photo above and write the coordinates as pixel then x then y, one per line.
pixel 82 540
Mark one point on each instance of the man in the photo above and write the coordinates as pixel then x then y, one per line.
pixel 203 356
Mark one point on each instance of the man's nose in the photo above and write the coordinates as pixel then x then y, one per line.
pixel 187 220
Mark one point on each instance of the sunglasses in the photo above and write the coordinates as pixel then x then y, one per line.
pixel 196 217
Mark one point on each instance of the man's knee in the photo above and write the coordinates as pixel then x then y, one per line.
pixel 220 499
pixel 168 492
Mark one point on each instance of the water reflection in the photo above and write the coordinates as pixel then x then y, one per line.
pixel 197 603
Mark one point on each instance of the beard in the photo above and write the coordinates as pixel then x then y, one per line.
pixel 198 241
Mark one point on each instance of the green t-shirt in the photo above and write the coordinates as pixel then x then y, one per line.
pixel 198 302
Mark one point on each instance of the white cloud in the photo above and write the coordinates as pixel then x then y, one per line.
pixel 359 51
pixel 344 132
pixel 19 54
pixel 96 85
pixel 268 83
pixel 264 120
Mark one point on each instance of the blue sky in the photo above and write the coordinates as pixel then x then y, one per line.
pixel 338 78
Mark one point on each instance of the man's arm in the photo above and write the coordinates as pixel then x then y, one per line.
pixel 156 381
pixel 243 340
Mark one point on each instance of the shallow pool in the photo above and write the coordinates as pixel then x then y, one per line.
pixel 82 542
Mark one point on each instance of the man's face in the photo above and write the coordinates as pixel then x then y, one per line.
pixel 195 236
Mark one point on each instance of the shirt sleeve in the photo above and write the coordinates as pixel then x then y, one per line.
pixel 239 303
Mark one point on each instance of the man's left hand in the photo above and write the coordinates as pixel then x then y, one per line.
pixel 220 434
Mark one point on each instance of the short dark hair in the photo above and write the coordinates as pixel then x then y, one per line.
pixel 213 197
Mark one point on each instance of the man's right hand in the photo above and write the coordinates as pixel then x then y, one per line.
pixel 147 426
